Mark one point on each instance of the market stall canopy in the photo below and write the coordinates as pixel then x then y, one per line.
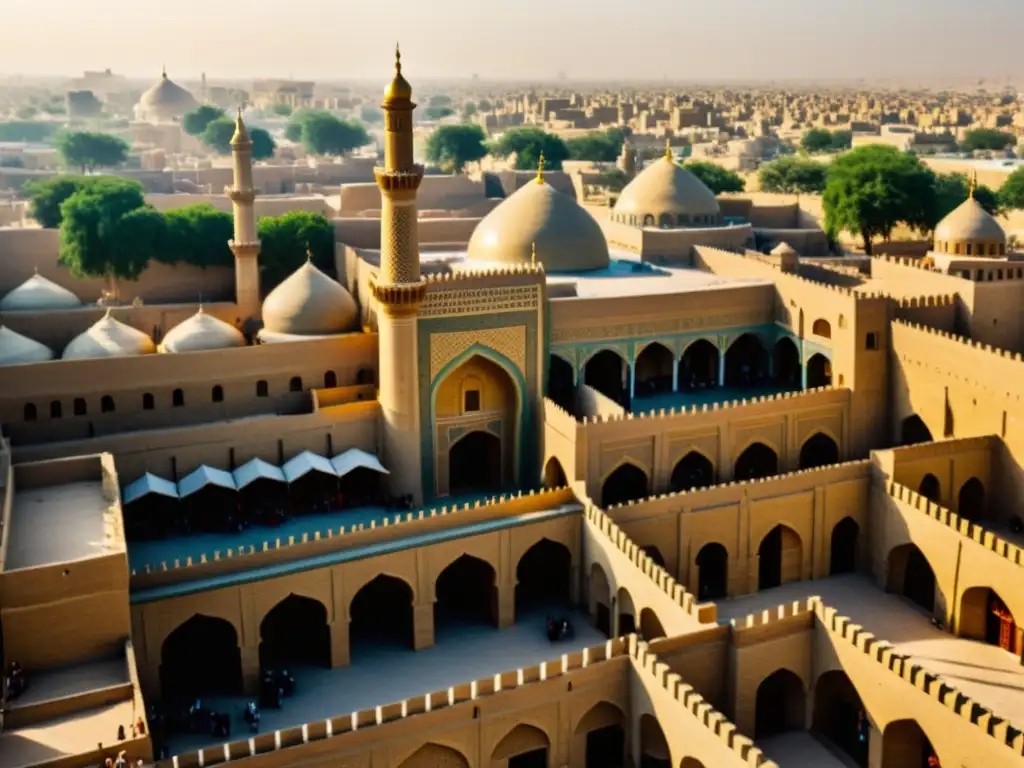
pixel 204 476
pixel 147 484
pixel 257 469
pixel 355 458
pixel 299 466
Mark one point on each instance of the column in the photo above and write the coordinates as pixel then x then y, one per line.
pixel 615 617
pixel 675 373
pixel 250 659
pixel 340 645
pixel 575 586
pixel 803 369
pixel 505 599
pixel 423 626
pixel 721 369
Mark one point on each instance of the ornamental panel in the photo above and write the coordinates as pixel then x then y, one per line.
pixel 509 341
pixel 480 301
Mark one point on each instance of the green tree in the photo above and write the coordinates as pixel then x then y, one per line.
pixel 715 177
pixel 89 151
pixel 285 240
pixel 46 196
pixel 986 139
pixel 1011 194
pixel 793 175
pixel 951 189
pixel 484 105
pixel 452 146
pixel 468 110
pixel 263 144
pixel 440 100
pixel 324 134
pixel 871 189
pixel 614 180
pixel 599 146
pixel 89 231
pixel 371 115
pixel 217 135
pixel 816 140
pixel 27 112
pixel 20 130
pixel 281 110
pixel 841 140
pixel 137 237
pixel 199 235
pixel 527 144
pixel 438 113
pixel 196 121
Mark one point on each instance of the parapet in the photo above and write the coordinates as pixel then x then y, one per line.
pixel 980 346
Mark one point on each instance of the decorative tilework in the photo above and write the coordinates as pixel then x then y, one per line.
pixel 509 341
pixel 478 301
pixel 399 259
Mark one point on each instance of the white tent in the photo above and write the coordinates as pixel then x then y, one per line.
pixel 257 469
pixel 355 458
pixel 204 476
pixel 299 466
pixel 148 483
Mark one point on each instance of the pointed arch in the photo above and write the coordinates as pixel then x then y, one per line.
pixel 904 742
pixel 746 361
pixel 819 371
pixel 599 598
pixel 627 611
pixel 607 371
pixel 712 572
pixel 756 461
pixel 295 630
pixel 381 613
pixel 698 365
pixel 694 470
pixel 780 558
pixel 845 546
pixel 650 625
pixel 819 450
pixel 971 500
pixel 433 755
pixel 930 488
pixel 627 482
pixel 217 670
pixel 465 593
pixel 913 430
pixel 522 739
pixel 787 363
pixel 554 475
pixel 910 575
pixel 779 706
pixel 985 617
pixel 839 715
pixel 653 369
pixel 543 577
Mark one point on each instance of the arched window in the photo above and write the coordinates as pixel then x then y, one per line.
pixel 261 389
pixel 330 380
pixel 178 398
pixel 822 328
pixel 148 403
pixel 107 404
pixel 649 220
pixel 55 410
pixel 80 408
pixel 217 394
pixel 295 385
pixel 30 412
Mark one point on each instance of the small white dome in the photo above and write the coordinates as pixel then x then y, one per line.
pixel 309 303
pixel 665 188
pixel 39 292
pixel 166 100
pixel 109 337
pixel 969 222
pixel 201 332
pixel 16 349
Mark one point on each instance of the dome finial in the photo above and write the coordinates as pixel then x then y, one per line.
pixel 164 71
pixel 972 184
pixel 668 150
pixel 540 168
pixel 309 254
pixel 398 59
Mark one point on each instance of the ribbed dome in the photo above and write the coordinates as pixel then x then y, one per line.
pixel 166 100
pixel 201 332
pixel 39 292
pixel 969 222
pixel 567 238
pixel 309 303
pixel 108 337
pixel 16 349
pixel 665 187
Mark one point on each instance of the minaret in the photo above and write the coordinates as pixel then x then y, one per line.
pixel 246 244
pixel 399 290
pixel 627 160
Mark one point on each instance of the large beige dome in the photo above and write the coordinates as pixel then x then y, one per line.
pixel 970 230
pixel 566 237
pixel 166 100
pixel 201 332
pixel 109 337
pixel 16 349
pixel 665 194
pixel 39 292
pixel 309 303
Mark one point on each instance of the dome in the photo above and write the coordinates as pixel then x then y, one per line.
pixel 39 292
pixel 566 237
pixel 166 100
pixel 201 332
pixel 968 223
pixel 108 337
pixel 16 349
pixel 665 188
pixel 309 303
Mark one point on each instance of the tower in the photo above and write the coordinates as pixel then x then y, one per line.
pixel 627 159
pixel 399 290
pixel 245 245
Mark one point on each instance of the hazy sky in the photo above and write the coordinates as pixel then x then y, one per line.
pixel 632 39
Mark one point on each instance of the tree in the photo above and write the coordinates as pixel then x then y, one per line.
pixel 816 140
pixel 27 112
pixel 716 178
pixel 135 238
pixel 371 115
pixel 793 175
pixel 89 231
pixel 199 235
pixel 527 145
pixel 452 146
pixel 484 105
pixel 285 240
pixel 217 135
pixel 437 113
pixel 45 197
pixel 1011 194
pixel 440 100
pixel 324 134
pixel 841 140
pixel 20 130
pixel 599 146
pixel 196 121
pixel 986 139
pixel 951 190
pixel 263 144
pixel 871 189
pixel 89 151
pixel 281 110
pixel 468 110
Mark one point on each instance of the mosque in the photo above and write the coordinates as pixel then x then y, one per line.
pixel 579 491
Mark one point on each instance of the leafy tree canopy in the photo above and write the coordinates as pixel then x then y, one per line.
pixel 27 112
pixel 47 195
pixel 199 235
pixel 527 144
pixel 324 134
pixel 600 146
pixel 986 138
pixel 452 146
pixel 437 113
pixel 282 110
pixel 872 189
pixel 951 189
pixel 821 140
pixel 26 131
pixel 716 178
pixel 468 110
pixel 88 231
pixel 217 135
pixel 440 100
pixel 263 144
pixel 484 105
pixel 1011 194
pixel 371 114
pixel 196 121
pixel 285 240
pixel 88 151
pixel 793 175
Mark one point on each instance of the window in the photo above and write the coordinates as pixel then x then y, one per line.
pixel 218 394
pixel 842 321
pixel 999 274
pixel 147 402
pixel 968 249
pixel 261 389
pixel 472 400
pixel 295 385
pixel 871 340
pixel 55 410
pixel 956 249
pixel 80 407
pixel 107 404
pixel 330 380
pixel 178 398
pixel 30 412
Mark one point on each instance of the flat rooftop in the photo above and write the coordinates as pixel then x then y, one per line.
pixel 64 736
pixel 66 682
pixel 58 524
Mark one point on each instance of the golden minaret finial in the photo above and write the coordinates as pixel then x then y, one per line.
pixel 540 169
pixel 973 183
pixel 668 150
pixel 398 59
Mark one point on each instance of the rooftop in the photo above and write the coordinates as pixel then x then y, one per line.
pixel 75 734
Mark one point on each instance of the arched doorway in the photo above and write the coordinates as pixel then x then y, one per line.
pixel 746 362
pixel 653 370
pixel 840 717
pixel 971 500
pixel 523 747
pixel 295 631
pixel 694 470
pixel 381 615
pixel 712 572
pixel 779 558
pixel 655 554
pixel 603 727
pixel 217 669
pixel 627 611
pixel 911 576
pixel 607 373
pixel 985 617
pixel 843 557
pixel 819 371
pixel 435 756
pixel 914 431
pixel 930 488
pixel 627 483
pixel 787 364
pixel 820 450
pixel 691 762
pixel 543 578
pixel 561 387
pixel 650 625
pixel 779 705
pixel 698 368
pixel 905 745
pixel 474 464
pixel 758 460
pixel 653 746
pixel 465 594
pixel 554 475
pixel 600 600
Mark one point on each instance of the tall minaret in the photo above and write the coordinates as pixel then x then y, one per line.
pixel 399 290
pixel 246 244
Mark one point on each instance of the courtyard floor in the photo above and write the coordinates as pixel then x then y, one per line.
pixel 800 749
